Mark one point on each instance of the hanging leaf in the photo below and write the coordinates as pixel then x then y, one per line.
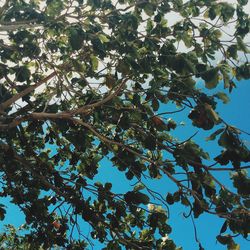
pixel 223 97
pixel 155 104
pixel 224 227
pixel 22 74
pixel 211 78
pixel 213 135
pixel 94 62
pixel 103 38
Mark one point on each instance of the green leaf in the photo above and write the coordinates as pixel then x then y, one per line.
pixel 242 45
pixel 123 67
pixel 187 39
pixel 79 67
pixel 212 113
pixel 213 135
pixel 232 51
pixel 150 25
pixel 149 9
pixel 94 62
pixel 211 78
pixel 171 124
pixel 76 38
pixel 227 11
pixel 233 246
pixel 223 96
pixel 54 7
pixel 139 187
pixel 103 38
pixel 213 12
pixel 243 2
pixel 22 74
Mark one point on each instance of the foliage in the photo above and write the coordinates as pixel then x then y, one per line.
pixel 88 78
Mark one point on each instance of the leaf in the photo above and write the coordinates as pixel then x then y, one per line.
pixel 217 33
pixel 142 51
pixel 136 198
pixel 233 246
pixel 103 38
pixel 197 209
pixel 149 9
pixel 211 78
pixel 223 97
pixel 123 67
pixel 22 74
pixel 76 38
pixel 110 81
pixel 157 121
pixel 170 199
pixel 94 62
pixel 213 12
pixel 54 7
pixel 190 82
pixel 171 124
pixel 187 39
pixel 227 11
pixel 78 52
pixel 150 25
pixel 232 51
pixel 185 201
pixel 2 212
pixel 139 187
pixel 242 45
pixel 79 67
pixel 214 115
pixel 243 2
pixel 142 198
pixel 213 135
pixel 224 227
pixel 155 104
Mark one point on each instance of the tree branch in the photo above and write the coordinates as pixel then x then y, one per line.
pixel 4 7
pixel 16 97
pixel 103 101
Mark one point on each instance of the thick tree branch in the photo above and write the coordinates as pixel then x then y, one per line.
pixel 109 141
pixel 61 115
pixel 16 26
pixel 103 101
pixel 28 90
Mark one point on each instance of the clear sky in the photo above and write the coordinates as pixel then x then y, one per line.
pixel 237 113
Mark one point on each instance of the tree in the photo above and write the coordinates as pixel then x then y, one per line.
pixel 88 78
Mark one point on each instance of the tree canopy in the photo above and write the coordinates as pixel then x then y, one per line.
pixel 90 79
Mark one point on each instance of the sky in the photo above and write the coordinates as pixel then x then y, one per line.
pixel 237 113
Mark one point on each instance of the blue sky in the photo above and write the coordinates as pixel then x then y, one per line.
pixel 236 113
